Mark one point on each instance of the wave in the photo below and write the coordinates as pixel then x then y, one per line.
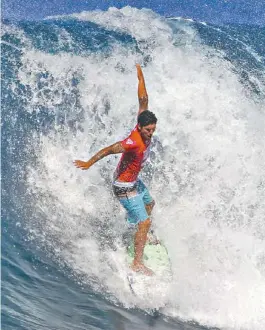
pixel 69 88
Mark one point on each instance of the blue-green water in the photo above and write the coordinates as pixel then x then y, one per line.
pixel 69 88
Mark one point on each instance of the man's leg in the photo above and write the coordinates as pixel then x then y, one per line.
pixel 149 207
pixel 136 209
pixel 140 239
pixel 151 237
pixel 139 244
pixel 142 233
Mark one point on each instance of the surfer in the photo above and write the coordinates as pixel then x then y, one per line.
pixel 128 188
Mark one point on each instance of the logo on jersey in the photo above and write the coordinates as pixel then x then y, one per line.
pixel 129 141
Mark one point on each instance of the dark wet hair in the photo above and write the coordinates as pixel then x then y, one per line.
pixel 146 118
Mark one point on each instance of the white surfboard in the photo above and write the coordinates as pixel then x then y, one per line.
pixel 156 258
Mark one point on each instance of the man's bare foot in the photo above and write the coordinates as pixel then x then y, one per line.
pixel 141 268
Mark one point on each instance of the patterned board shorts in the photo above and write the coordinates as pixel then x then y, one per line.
pixel 134 201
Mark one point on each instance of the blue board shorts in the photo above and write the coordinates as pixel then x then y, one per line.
pixel 134 204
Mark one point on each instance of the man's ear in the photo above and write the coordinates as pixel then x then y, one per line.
pixel 139 127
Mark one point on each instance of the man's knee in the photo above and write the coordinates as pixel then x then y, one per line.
pixel 149 207
pixel 152 204
pixel 146 223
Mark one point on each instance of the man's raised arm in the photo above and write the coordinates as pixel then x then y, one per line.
pixel 142 93
pixel 115 148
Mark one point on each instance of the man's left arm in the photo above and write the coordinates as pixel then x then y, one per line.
pixel 142 93
pixel 115 148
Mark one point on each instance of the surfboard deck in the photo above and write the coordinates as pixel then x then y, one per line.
pixel 155 257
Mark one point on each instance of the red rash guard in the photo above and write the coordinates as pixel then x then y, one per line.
pixel 133 159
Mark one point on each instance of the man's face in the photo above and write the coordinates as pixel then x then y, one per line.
pixel 147 131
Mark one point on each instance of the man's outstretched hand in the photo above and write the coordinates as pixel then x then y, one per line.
pixel 139 71
pixel 81 164
pixel 142 93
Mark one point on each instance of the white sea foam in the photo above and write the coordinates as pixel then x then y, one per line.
pixel 208 178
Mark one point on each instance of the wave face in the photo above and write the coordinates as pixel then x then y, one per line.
pixel 69 88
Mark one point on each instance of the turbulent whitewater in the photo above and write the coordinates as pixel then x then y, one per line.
pixel 69 88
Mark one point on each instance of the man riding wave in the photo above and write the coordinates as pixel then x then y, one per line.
pixel 128 188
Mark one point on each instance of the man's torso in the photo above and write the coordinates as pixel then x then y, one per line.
pixel 132 160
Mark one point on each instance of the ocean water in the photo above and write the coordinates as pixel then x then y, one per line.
pixel 69 88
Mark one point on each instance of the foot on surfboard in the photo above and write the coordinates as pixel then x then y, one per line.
pixel 141 268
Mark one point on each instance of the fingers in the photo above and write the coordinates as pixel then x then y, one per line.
pixel 76 163
pixel 80 164
pixel 138 67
